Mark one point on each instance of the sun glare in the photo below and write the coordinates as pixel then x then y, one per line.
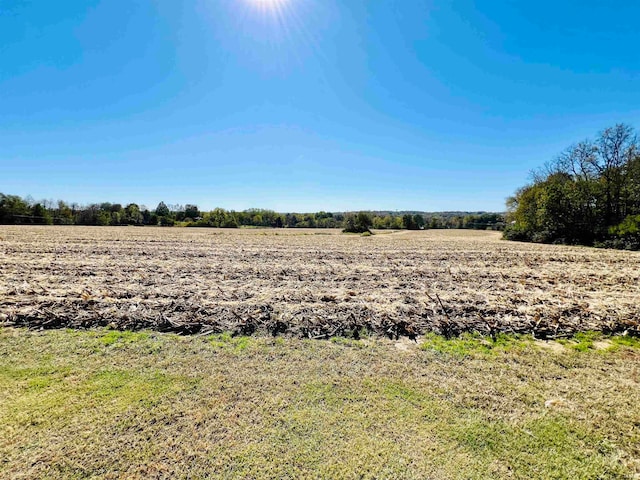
pixel 279 25
pixel 279 14
pixel 273 5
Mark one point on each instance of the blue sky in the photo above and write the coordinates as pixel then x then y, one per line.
pixel 305 105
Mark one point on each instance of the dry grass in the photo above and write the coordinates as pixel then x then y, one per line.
pixel 108 404
pixel 312 283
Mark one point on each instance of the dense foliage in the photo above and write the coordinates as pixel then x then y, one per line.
pixel 589 195
pixel 357 223
pixel 17 210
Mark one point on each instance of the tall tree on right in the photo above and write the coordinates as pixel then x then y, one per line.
pixel 588 194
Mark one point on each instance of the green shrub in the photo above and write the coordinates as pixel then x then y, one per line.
pixel 359 223
pixel 516 233
pixel 626 234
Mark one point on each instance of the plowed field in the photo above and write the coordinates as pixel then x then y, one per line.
pixel 311 283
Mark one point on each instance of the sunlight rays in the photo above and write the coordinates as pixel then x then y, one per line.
pixel 280 26
pixel 277 10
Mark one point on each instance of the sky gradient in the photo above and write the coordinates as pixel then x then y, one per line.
pixel 305 105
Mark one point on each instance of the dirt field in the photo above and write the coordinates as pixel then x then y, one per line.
pixel 311 283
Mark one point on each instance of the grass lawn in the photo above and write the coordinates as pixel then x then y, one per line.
pixel 107 404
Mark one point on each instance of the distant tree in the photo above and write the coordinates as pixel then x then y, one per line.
pixel 166 221
pixel 132 214
pixel 357 223
pixel 308 221
pixel 12 208
pixel 103 218
pixel 63 214
pixel 217 218
pixel 231 220
pixel 291 220
pixel 408 222
pixel 191 211
pixel 162 210
pixel 349 224
pixel 435 222
pixel 42 215
pixel 86 215
pixel 116 218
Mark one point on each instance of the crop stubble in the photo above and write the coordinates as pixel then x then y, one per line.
pixel 311 283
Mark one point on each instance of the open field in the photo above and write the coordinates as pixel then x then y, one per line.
pixel 109 404
pixel 311 283
pixel 104 403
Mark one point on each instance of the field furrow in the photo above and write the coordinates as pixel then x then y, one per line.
pixel 311 283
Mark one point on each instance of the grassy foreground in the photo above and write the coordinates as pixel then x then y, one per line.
pixel 106 404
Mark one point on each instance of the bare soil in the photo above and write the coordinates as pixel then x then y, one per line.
pixel 312 283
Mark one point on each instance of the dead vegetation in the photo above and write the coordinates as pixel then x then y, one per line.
pixel 301 283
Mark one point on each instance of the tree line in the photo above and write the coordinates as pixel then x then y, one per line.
pixel 588 195
pixel 17 210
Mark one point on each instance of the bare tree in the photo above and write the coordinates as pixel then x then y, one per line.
pixel 617 147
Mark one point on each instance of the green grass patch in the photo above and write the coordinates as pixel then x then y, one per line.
pixel 546 447
pixel 625 341
pixel 229 342
pixel 471 345
pixel 102 404
pixel 350 342
pixel 582 341
pixel 114 337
